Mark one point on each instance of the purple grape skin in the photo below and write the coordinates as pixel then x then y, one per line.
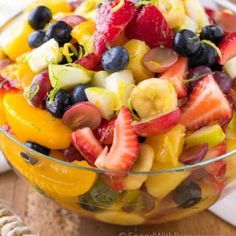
pixel 224 81
pixel 194 154
pixel 196 72
pixel 39 89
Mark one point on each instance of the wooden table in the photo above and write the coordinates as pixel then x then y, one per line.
pixel 48 219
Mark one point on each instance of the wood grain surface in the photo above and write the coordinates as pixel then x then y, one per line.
pixel 48 219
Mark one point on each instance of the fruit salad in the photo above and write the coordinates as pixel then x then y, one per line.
pixel 121 110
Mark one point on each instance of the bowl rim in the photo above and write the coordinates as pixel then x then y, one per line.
pixel 110 172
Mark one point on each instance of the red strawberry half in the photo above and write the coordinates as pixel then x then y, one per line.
pixel 176 74
pixel 89 62
pixel 150 26
pixel 206 105
pixel 217 168
pixel 87 144
pixel 112 18
pixel 125 147
pixel 227 48
pixel 105 132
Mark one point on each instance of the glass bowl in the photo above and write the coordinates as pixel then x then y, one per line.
pixel 166 195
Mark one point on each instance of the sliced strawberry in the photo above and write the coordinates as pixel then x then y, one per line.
pixel 87 144
pixel 150 26
pixel 227 48
pixel 125 147
pixel 115 181
pixel 207 104
pixel 227 21
pixel 211 14
pixel 105 132
pixel 112 18
pixel 73 20
pixel 217 168
pixel 89 62
pixel 176 74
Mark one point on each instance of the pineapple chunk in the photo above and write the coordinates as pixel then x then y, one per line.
pixel 137 49
pixel 168 147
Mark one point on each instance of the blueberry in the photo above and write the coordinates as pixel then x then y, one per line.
pixel 115 59
pixel 36 39
pixel 213 33
pixel 60 31
pixel 141 139
pixel 37 147
pixel 78 94
pixel 187 194
pixel 40 17
pixel 60 104
pixel 186 43
pixel 206 56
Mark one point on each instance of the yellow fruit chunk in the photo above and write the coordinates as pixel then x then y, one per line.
pixel 2 115
pixel 173 11
pixel 160 185
pixel 2 54
pixel 15 41
pixel 30 123
pixel 83 33
pixel 137 49
pixel 54 5
pixel 24 75
pixel 168 147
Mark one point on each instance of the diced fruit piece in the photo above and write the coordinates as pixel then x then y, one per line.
pixel 122 84
pixel 67 77
pixel 78 94
pixel 99 79
pixel 41 57
pixel 115 59
pixel 30 123
pixel 227 20
pixel 105 132
pixel 72 154
pixel 5 62
pixel 186 43
pixel 87 144
pixel 39 89
pixel 193 155
pixel 212 135
pixel 169 146
pixel 173 11
pixel 217 168
pixel 137 49
pixel 224 81
pixel 89 62
pixel 60 103
pixel 2 116
pixel 230 130
pixel 83 33
pixel 145 26
pixel 189 24
pixel 112 18
pixel 157 124
pixel 16 35
pixel 160 185
pixel 153 96
pixel 176 74
pixel 120 218
pixel 159 59
pixel 125 147
pixel 227 48
pixel 40 17
pixel 206 97
pixel 105 100
pixel 230 67
pixel 195 11
pixel 73 20
pixel 81 115
pixel 143 163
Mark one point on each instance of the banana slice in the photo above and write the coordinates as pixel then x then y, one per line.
pixel 143 163
pixel 120 218
pixel 153 96
pixel 196 12
pixel 173 11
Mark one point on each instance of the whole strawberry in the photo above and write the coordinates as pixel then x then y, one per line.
pixel 149 25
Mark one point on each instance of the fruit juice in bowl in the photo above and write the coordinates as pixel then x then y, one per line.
pixel 121 111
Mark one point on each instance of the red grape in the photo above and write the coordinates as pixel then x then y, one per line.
pixel 39 89
pixel 71 154
pixel 224 81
